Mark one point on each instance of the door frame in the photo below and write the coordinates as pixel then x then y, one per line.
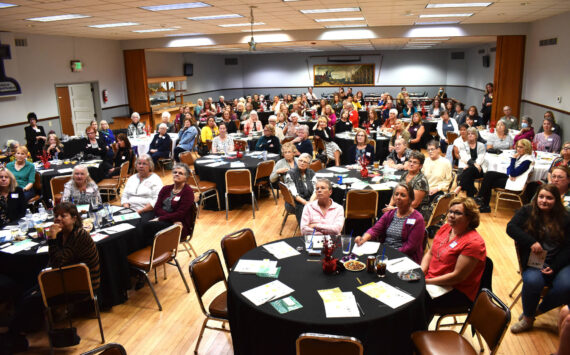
pixel 94 94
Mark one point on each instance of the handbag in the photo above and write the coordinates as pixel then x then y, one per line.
pixel 64 337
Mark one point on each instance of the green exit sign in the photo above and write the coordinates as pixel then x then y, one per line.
pixel 76 65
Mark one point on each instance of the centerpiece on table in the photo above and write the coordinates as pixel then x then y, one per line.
pixel 239 147
pixel 44 158
pixel 363 161
pixel 329 262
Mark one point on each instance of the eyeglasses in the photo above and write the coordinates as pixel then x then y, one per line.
pixel 456 213
pixel 556 177
pixel 178 173
pixel 302 161
pixel 431 149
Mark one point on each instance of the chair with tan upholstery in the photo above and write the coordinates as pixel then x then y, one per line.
pixel 112 186
pixel 489 316
pixel 188 158
pixel 66 285
pixel 203 188
pixel 107 349
pixel 289 204
pixel 235 244
pixel 316 165
pixel 314 343
pixel 238 182
pixel 451 137
pixel 186 240
pixel 38 189
pixel 57 185
pixel 205 272
pixel 163 251
pixel 262 173
pixel 361 204
pixel 372 142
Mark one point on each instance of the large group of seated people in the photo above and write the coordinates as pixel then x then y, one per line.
pixel 458 253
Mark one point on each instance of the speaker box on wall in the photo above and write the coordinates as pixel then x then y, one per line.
pixel 486 61
pixel 188 69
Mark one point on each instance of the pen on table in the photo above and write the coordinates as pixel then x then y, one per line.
pixel 360 308
pixel 360 282
pixel 394 263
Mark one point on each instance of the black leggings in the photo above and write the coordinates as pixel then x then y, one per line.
pixel 467 180
pixel 177 151
pixel 452 300
pixel 492 180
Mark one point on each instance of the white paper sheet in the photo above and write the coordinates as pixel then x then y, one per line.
pixel 339 304
pixel 379 187
pixel 126 217
pixel 366 248
pixel 245 266
pixel 435 290
pixel 43 249
pixel 218 163
pixel 237 164
pixel 536 260
pixel 360 185
pixel 204 161
pixel 211 156
pixel 45 171
pixel 272 155
pixel 281 250
pixel 387 294
pixel 267 292
pixel 98 236
pixel 401 264
pixel 324 175
pixel 65 171
pixel 338 169
pixel 118 228
pixel 19 246
pixel 351 180
pixel 115 208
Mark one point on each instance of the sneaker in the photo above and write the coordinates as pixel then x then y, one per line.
pixel 523 325
pixel 485 209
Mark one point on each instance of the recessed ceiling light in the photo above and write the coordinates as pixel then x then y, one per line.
pixel 155 30
pixel 340 19
pixel 182 34
pixel 335 35
pixel 118 24
pixel 437 23
pixel 466 4
pixel 431 39
pixel 446 15
pixel 323 11
pixel 242 24
pixel 214 17
pixel 346 26
pixel 4 5
pixel 190 42
pixel 184 5
pixel 57 18
pixel 263 30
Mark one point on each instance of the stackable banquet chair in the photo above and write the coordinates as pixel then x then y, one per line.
pixel 235 244
pixel 315 343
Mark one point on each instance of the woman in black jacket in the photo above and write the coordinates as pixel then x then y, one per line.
pixel 161 144
pixel 35 136
pixel 332 149
pixel 540 230
pixel 268 142
pixel 12 201
pixel 124 154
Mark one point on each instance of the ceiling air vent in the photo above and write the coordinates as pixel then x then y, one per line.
pixel 548 42
pixel 231 61
pixel 21 42
pixel 457 55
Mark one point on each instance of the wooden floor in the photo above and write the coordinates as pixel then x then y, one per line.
pixel 142 329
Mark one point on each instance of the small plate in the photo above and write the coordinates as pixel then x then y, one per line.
pixel 354 265
pixel 409 275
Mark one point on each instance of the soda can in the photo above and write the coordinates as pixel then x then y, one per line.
pixel 339 179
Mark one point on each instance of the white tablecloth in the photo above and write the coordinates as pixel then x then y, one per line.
pixel 143 143
pixel 501 162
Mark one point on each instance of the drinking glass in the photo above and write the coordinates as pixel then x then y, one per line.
pixel 380 266
pixel 346 242
pixel 23 226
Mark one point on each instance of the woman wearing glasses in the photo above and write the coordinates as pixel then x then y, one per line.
pixel 12 201
pixel 456 258
pixel 141 190
pixel 301 182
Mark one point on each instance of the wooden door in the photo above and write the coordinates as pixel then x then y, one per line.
pixel 64 105
pixel 82 106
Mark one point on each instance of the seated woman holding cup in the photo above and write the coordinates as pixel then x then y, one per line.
pixel 401 228
pixel 322 216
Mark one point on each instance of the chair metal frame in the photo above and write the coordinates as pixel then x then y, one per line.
pixel 187 242
pixel 258 183
pixel 519 295
pixel 194 182
pixel 63 179
pixel 287 198
pixel 199 293
pixel 152 265
pixel 509 195
pixel 253 200
pixel 120 182
pixel 107 349
pixel 328 339
pixel 353 194
pixel 85 290
pixel 163 160
pixel 242 235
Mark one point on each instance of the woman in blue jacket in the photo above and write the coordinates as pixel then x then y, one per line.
pixel 186 137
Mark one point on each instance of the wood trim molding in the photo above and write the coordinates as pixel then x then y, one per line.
pixel 26 122
pixel 113 107
pixel 546 106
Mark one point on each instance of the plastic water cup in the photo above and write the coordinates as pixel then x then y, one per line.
pixel 346 243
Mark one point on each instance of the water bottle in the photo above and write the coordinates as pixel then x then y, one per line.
pixel 29 219
pixel 43 214
pixel 55 156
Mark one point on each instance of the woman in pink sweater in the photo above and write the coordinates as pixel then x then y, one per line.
pixel 322 215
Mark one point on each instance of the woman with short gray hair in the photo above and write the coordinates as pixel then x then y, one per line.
pixel 161 144
pixel 81 189
pixel 301 182
pixel 141 190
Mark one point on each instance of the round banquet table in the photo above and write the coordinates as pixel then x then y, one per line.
pixel 345 140
pixel 217 174
pixel 23 267
pixel 542 162
pixel 262 330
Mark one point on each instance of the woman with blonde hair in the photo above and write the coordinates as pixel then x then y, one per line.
pixel 53 146
pixel 12 201
pixel 24 172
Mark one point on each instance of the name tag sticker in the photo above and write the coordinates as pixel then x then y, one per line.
pixel 14 195
pixel 123 157
pixel 411 221
pixel 549 139
pixel 453 245
pixel 89 190
pixel 177 198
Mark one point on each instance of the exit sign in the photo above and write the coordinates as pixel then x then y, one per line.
pixel 76 66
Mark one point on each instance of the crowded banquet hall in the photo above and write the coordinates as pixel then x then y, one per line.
pixel 284 177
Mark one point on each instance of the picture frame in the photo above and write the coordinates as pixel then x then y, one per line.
pixel 343 75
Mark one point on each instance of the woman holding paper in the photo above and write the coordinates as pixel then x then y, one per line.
pixel 323 215
pixel 401 228
pixel 515 178
pixel 540 230
pixel 457 258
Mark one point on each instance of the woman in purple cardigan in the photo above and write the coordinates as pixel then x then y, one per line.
pixel 173 206
pixel 401 228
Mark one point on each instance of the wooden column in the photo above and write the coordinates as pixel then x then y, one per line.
pixel 508 81
pixel 137 86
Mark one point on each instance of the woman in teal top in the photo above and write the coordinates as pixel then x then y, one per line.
pixel 24 172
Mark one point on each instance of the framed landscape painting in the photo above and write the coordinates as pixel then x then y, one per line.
pixel 343 74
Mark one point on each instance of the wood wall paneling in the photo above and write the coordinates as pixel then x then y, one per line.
pixel 135 72
pixel 64 105
pixel 508 80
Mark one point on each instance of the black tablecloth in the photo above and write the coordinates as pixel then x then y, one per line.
pixel 25 266
pixel 262 330
pixel 218 175
pixel 345 143
pixel 95 173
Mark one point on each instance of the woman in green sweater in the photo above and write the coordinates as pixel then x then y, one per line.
pixel 24 171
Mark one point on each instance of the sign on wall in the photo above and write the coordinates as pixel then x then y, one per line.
pixel 8 86
pixel 343 74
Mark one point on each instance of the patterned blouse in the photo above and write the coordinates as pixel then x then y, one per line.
pixel 420 183
pixel 223 146
pixel 72 194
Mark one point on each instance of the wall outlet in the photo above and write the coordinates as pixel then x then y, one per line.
pixel 559 99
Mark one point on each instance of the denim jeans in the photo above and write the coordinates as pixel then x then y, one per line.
pixel 533 283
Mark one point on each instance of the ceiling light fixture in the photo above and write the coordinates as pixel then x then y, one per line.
pixel 118 24
pixel 57 18
pixel 252 42
pixel 335 35
pixel 4 5
pixel 182 34
pixel 324 11
pixel 446 15
pixel 156 30
pixel 191 42
pixel 437 23
pixel 340 19
pixel 454 5
pixel 347 26
pixel 263 30
pixel 184 5
pixel 242 24
pixel 214 17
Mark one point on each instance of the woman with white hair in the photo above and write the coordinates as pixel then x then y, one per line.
pixel 252 124
pixel 301 182
pixel 165 119
pixel 106 133
pixel 136 128
pixel 290 129
pixel 198 108
pixel 391 121
pixel 161 144
pixel 141 190
pixel 472 161
pixel 81 189
pixel 272 120
pixel 301 142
